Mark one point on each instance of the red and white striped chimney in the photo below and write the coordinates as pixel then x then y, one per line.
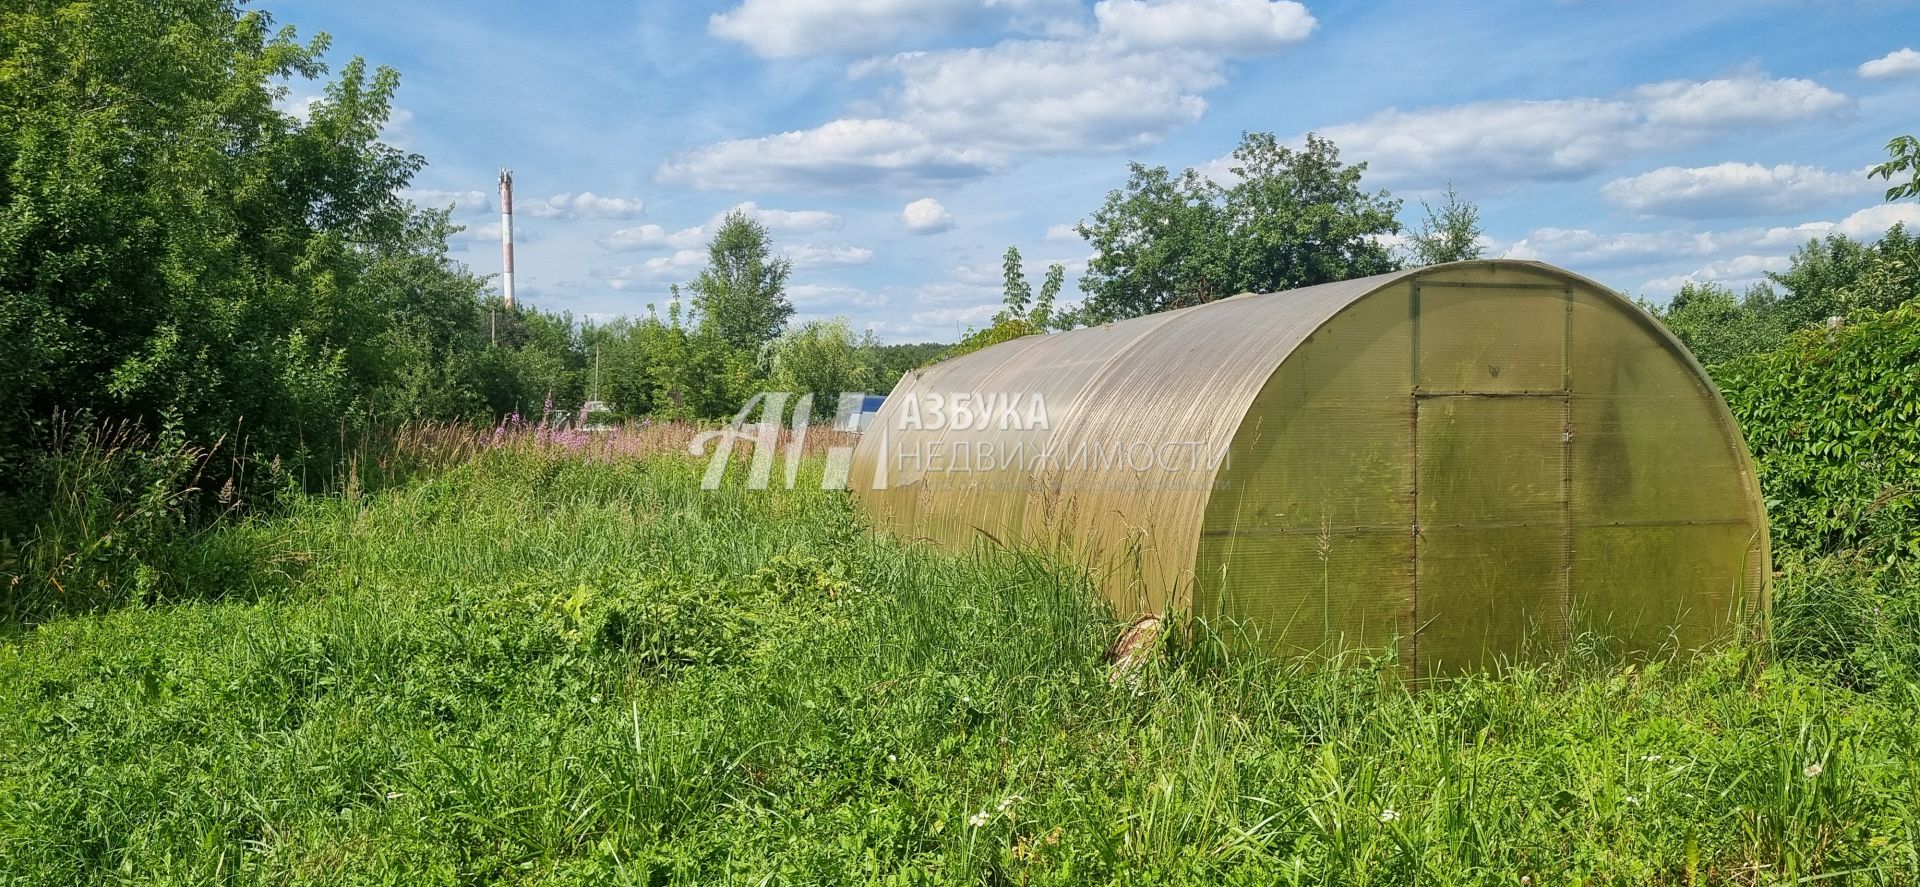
pixel 506 235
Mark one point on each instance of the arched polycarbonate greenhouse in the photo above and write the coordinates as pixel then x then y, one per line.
pixel 1470 462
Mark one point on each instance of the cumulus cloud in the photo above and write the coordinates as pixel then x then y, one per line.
pixel 808 255
pixel 1591 249
pixel 887 153
pixel 1898 63
pixel 1062 233
pixel 1494 140
pixel 1872 222
pixel 1228 27
pixel 1500 142
pixel 681 263
pixel 463 203
pixel 297 106
pixel 792 28
pixel 1735 273
pixel 1729 256
pixel 956 318
pixel 1042 96
pixel 817 298
pixel 786 221
pixel 960 113
pixel 955 292
pixel 1739 101
pixel 490 232
pixel 926 216
pixel 1732 189
pixel 583 205
pixel 644 237
pixel 779 221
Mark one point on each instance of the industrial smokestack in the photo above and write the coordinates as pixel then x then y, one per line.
pixel 506 235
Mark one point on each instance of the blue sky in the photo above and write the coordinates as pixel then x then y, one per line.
pixel 897 147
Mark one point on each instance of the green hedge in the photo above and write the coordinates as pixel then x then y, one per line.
pixel 1833 419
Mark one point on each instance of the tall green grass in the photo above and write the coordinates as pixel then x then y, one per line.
pixel 532 670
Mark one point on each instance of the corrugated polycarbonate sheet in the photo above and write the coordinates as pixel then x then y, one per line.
pixel 1468 463
pixel 1139 458
pixel 1319 498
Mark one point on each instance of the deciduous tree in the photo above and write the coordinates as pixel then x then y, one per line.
pixel 1290 218
pixel 741 294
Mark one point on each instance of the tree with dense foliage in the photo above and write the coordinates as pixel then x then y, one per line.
pixel 741 294
pixel 1841 276
pixel 1835 276
pixel 174 248
pixel 890 362
pixel 1718 325
pixel 1448 234
pixel 825 358
pixel 1291 218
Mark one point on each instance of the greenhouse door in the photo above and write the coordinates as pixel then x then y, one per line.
pixel 1493 542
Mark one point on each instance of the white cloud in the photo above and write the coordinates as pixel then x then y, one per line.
pixel 1063 233
pixel 583 205
pixel 299 107
pixel 807 255
pixel 1497 143
pixel 956 318
pixel 490 232
pixel 462 202
pixel 1494 140
pixel 816 298
pixel 1045 96
pixel 846 152
pixel 1737 102
pixel 960 113
pixel 786 221
pixel 1228 27
pixel 956 292
pixel 791 28
pixel 926 216
pixel 635 238
pixel 1898 63
pixel 1872 222
pixel 1734 273
pixel 1732 256
pixel 681 263
pixel 779 221
pixel 654 237
pixel 1732 189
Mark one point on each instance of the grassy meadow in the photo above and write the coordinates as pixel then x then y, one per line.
pixel 536 669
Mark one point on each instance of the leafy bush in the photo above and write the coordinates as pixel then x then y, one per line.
pixel 1833 420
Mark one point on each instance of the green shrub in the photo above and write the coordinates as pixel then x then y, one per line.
pixel 1833 420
